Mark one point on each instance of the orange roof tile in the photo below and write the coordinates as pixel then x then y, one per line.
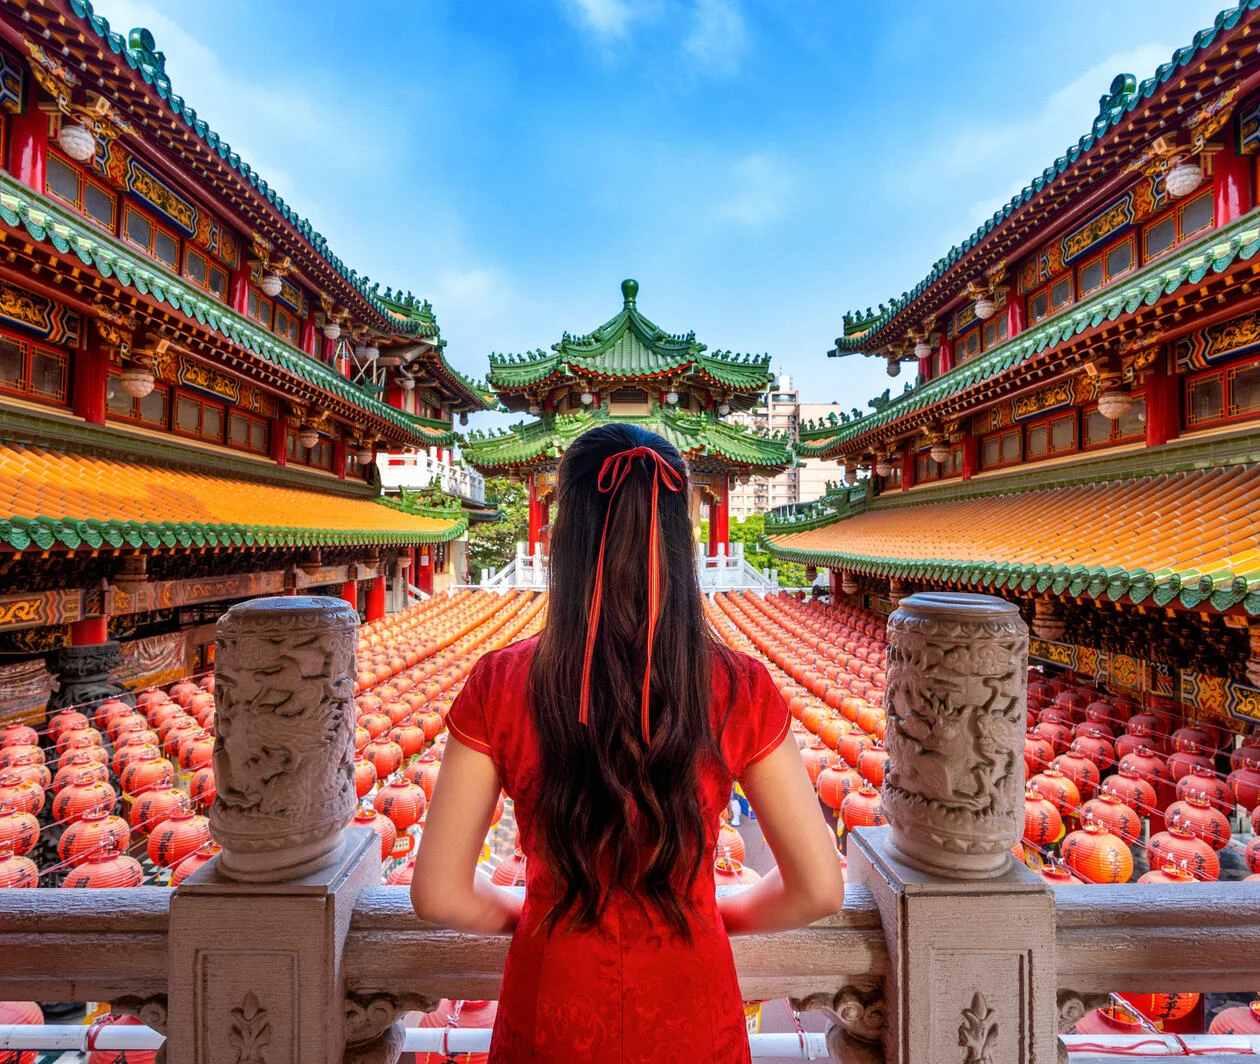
pixel 1191 536
pixel 50 497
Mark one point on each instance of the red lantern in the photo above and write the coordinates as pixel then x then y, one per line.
pixel 817 757
pixel 377 724
pixel 1057 735
pixel 178 836
pixel 402 801
pixel 1131 789
pixel 144 774
pixel 1169 874
pixel 95 832
pixel 1060 790
pixel 1160 1008
pixel 401 876
pixel 386 756
pixel 20 753
pixel 106 869
pixel 1115 816
pixel 872 764
pixel 1245 780
pixel 729 872
pixel 16 871
pixel 18 831
pixel 28 767
pixel 835 784
pixel 18 735
pixel 80 797
pixel 1241 1019
pixel 1147 765
pixel 1181 848
pixel 862 808
pixel 1206 782
pixel 85 734
pixel 136 745
pixel 364 776
pixel 1096 748
pixel 1042 821
pixel 424 772
pixel 20 1013
pixel 201 788
pixel 67 718
pixel 193 861
pixel 1080 770
pixel 410 739
pixel 1058 875
pixel 367 817
pixel 510 872
pixel 1097 856
pixel 1252 855
pixel 1037 754
pixel 83 750
pixel 730 843
pixel 21 793
pixel 120 1056
pixel 152 807
pixel 1247 754
pixel 1198 817
pixel 196 751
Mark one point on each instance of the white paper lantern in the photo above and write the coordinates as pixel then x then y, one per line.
pixel 271 284
pixel 850 475
pixel 1114 403
pixel 894 366
pixel 940 452
pixel 724 409
pixel 586 398
pixel 136 381
pixel 671 398
pixel 308 437
pixel 534 408
pixel 332 330
pixel 922 350
pixel 364 454
pixel 986 307
pixel 1183 178
pixel 407 384
pixel 77 141
pixel 883 466
pixel 369 352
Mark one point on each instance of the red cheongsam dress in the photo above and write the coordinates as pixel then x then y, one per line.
pixel 630 991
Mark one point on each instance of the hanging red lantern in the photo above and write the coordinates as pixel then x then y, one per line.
pixel 1247 754
pixel 817 757
pixel 730 843
pixel 161 713
pixel 401 876
pixel 1060 790
pixel 1147 765
pixel 106 869
pixel 85 794
pixel 23 753
pixel 400 800
pixel 193 861
pixel 1180 847
pixel 1252 855
pixel 423 771
pixel 94 832
pixel 510 872
pixel 1168 874
pixel 16 871
pixel 1181 763
pixel 151 807
pixel 1037 754
pixel 731 873
pixel 1096 748
pixel 1206 782
pixel 178 836
pixel 1115 816
pixel 120 1056
pixel 376 724
pixel 364 776
pixel 361 738
pixel 1194 740
pixel 18 735
pixel 386 756
pixel 21 793
pixel 1110 1019
pixel 872 764
pixel 67 718
pixel 1245 781
pixel 144 774
pixel 1241 1019
pixel 1197 816
pixel 183 692
pixel 29 768
pixel 1043 823
pixel 835 784
pixel 1097 856
pixel 18 831
pixel 1160 1008
pixel 410 739
pixel 1080 770
pixel 85 734
pixel 1131 789
pixel 196 751
pixel 367 817
pixel 20 1013
pixel 862 808
pixel 201 788
pixel 832 730
pixel 137 744
pixel 175 732
pixel 1058 875
pixel 125 724
pixel 81 751
pixel 1058 736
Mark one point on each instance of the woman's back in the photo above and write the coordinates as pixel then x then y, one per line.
pixel 631 988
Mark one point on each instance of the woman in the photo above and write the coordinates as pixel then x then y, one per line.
pixel 618 732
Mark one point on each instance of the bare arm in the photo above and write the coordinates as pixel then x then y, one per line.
pixel 808 883
pixel 446 887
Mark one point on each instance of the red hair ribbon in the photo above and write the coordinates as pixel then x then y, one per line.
pixel 612 475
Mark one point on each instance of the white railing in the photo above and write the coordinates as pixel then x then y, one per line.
pixel 415 594
pixel 416 471
pixel 731 572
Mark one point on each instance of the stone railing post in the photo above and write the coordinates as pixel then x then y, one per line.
pixel 256 936
pixel 970 931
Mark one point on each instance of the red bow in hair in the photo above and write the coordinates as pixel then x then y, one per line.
pixel 612 475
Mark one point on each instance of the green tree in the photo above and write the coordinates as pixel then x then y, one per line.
pixel 751 532
pixel 492 544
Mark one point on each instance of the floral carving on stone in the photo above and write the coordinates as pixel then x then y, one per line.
pixel 978 1032
pixel 284 716
pixel 249 1031
pixel 956 696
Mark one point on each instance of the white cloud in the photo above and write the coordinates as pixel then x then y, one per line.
pixel 605 18
pixel 718 37
pixel 761 189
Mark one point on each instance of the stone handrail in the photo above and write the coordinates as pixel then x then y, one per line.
pixel 944 944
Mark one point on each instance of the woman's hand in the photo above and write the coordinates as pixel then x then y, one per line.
pixel 446 887
pixel 808 883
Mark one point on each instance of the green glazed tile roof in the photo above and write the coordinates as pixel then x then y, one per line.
pixel 1214 254
pixel 630 346
pixel 694 434
pixel 1126 95
pixel 140 53
pixel 70 234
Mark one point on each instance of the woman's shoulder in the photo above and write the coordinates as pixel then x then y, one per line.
pixel 734 672
pixel 510 660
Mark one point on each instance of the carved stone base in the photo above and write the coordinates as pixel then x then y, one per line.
pixel 83 674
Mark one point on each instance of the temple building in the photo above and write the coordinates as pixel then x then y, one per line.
pixel 1083 431
pixel 631 370
pixel 194 388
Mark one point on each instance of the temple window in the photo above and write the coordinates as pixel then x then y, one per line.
pixel 1226 394
pixel 1050 298
pixel 628 401
pixel 1056 435
pixel 66 182
pixel 1101 431
pixel 248 433
pixel 925 468
pixel 1178 225
pixel 197 417
pixel 319 457
pixel 32 371
pixel 1001 448
pixel 205 274
pixel 142 231
pixel 288 326
pixel 893 480
pixel 994 331
pixel 153 410
pixel 1105 268
pixel 260 308
pixel 967 346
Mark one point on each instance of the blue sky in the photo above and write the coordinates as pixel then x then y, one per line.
pixel 760 166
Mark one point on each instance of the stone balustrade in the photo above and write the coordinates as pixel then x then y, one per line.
pixel 286 949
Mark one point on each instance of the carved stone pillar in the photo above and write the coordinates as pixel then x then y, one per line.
pixel 84 675
pixel 256 935
pixel 970 932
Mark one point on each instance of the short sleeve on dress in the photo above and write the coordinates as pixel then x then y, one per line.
pixel 768 716
pixel 467 717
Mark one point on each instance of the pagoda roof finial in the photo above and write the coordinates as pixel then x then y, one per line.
pixel 629 289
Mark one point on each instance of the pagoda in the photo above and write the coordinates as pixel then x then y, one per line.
pixel 631 370
pixel 193 386
pixel 1083 433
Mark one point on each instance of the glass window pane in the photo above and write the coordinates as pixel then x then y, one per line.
pixel 1245 389
pixel 1091 275
pixel 138 229
pixel 48 374
pixel 1207 400
pixel 258 436
pixel 1039 306
pixel 62 180
pixel 195 267
pixel 165 248
pixel 1133 424
pixel 238 429
pixel 1063 434
pixel 117 401
pixel 12 364
pixel 1097 428
pixel 187 415
pixel 252 305
pixel 212 422
pixel 1038 441
pixel 989 454
pixel 218 282
pixel 1010 447
pixel 99 204
pixel 290 445
pixel 1196 215
pixel 1160 236
pixel 1119 259
pixel 153 408
pixel 1061 293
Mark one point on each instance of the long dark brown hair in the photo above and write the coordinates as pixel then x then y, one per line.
pixel 614 813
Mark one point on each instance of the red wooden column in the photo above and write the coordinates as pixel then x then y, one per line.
pixel 280 440
pixel 1231 183
pixel 925 368
pixel 350 593
pixel 91 374
pixel 537 513
pixel 947 355
pixel 1014 312
pixel 28 146
pixel 339 456
pixel 424 569
pixel 970 455
pixel 907 469
pixel 310 338
pixel 720 517
pixel 1163 403
pixel 833 580
pixel 238 290
pixel 376 600
pixel 90 632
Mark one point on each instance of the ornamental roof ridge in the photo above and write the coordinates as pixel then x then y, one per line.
pixel 140 52
pixel 1124 97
